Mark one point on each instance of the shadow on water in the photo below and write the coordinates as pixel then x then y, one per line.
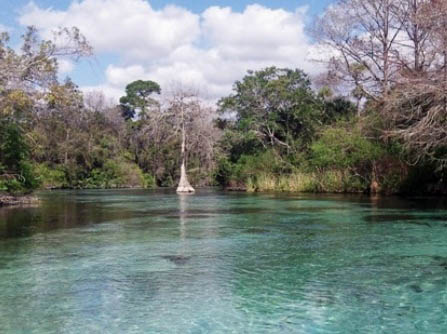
pixel 62 210
pixel 16 222
pixel 376 201
pixel 401 219
pixel 73 209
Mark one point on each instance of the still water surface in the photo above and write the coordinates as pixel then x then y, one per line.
pixel 153 262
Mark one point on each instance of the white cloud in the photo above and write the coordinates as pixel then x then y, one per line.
pixel 109 91
pixel 209 51
pixel 243 35
pixel 65 66
pixel 120 76
pixel 4 28
pixel 131 28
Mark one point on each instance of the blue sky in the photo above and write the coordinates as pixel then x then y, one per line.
pixel 9 8
pixel 201 43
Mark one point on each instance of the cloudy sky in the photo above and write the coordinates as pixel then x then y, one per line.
pixel 207 44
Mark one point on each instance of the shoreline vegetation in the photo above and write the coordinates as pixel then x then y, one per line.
pixel 373 122
pixel 17 200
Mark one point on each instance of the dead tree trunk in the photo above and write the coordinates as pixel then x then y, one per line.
pixel 184 186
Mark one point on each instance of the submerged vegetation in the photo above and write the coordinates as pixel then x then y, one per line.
pixel 374 122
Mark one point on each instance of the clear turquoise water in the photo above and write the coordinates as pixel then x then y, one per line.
pixel 154 262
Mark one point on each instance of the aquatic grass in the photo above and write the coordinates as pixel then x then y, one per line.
pixel 333 181
pixel 251 185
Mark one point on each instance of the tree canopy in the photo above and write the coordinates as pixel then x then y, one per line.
pixel 138 98
pixel 276 106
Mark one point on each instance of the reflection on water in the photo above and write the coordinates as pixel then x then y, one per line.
pixel 154 262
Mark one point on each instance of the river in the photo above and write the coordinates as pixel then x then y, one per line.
pixel 135 261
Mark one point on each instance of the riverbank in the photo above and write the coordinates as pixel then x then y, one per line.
pixel 10 200
pixel 308 182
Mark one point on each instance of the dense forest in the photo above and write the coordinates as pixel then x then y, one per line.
pixel 374 121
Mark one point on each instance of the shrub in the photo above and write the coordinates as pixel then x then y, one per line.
pixel 50 177
pixel 149 181
pixel 341 147
pixel 345 151
pixel 16 173
pixel 116 173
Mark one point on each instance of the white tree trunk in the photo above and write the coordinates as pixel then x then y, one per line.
pixel 184 186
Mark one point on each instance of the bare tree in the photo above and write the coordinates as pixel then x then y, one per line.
pixel 394 53
pixel 418 107
pixel 361 36
pixel 192 119
pixel 413 51
pixel 182 102
pixel 36 64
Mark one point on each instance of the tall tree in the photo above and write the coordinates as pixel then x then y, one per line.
pixel 363 35
pixel 180 105
pixel 26 76
pixel 192 121
pixel 138 98
pixel 276 106
pixel 418 108
pixel 414 51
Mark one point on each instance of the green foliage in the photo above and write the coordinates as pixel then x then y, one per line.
pixel 248 167
pixel 279 135
pixel 344 147
pixel 274 106
pixel 137 98
pixel 16 174
pixel 237 143
pixel 338 109
pixel 149 181
pixel 224 172
pixel 344 150
pixel 299 181
pixel 50 177
pixel 340 159
pixel 13 147
pixel 115 173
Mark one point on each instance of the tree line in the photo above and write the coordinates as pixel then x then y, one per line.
pixel 374 121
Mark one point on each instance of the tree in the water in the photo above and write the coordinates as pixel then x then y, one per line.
pixel 193 119
pixel 180 104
